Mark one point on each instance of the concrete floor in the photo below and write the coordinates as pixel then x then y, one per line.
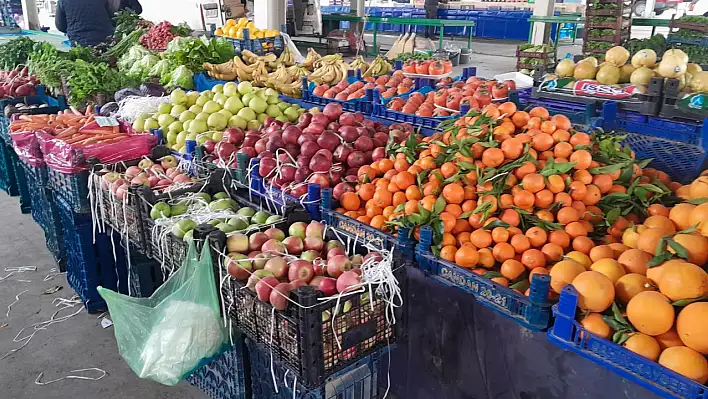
pixel 77 343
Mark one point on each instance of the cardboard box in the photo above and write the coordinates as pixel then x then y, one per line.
pixel 234 8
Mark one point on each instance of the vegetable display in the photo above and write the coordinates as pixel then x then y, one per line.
pixel 15 52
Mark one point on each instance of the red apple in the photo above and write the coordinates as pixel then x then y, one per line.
pixel 328 286
pixel 278 266
pixel 338 265
pixel 347 280
pixel 279 296
pixel 300 270
pixel 294 245
pixel 265 286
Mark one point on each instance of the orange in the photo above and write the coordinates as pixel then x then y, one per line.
pixel 604 183
pixel 555 183
pixel 692 328
pixel 562 150
pixel 404 180
pixel 520 118
pixel 382 198
pixel 428 202
pixel 453 209
pixel 544 214
pixel 388 212
pixel 683 280
pixel 582 159
pixel 364 219
pixel 490 199
pixel 595 291
pixel 366 191
pixel 467 256
pixel 635 261
pixel 510 216
pixel 503 251
pixel 512 269
pixel 696 245
pixel 413 193
pixel 580 138
pixel 500 234
pixel 601 252
pixel 539 112
pixel 578 190
pixel 524 199
pixel 520 243
pixel 448 221
pixel 560 238
pixel 448 239
pixel 463 237
pixel 374 210
pixel 669 339
pixel 583 244
pixel 401 164
pixel 643 345
pixel 399 198
pixel 686 362
pixel 698 216
pixel 460 226
pixel 609 267
pixel 506 201
pixel 448 253
pixel 552 252
pixel 560 135
pixel 563 199
pixel 594 323
pixel 567 215
pixel 649 239
pixel 562 122
pixel 563 273
pixel 453 193
pixel 592 195
pixel 542 141
pixel 582 176
pixel 651 313
pixel 385 165
pixel 533 182
pixel 378 222
pixel 533 258
pixel 576 229
pixel 537 236
pixel 660 222
pixel 493 157
pixel 628 286
pixel 350 201
pixel 681 215
pixel 481 238
pixel 512 148
pixel 448 169
pixel 699 188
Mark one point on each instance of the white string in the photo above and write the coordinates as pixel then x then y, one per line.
pixel 52 273
pixel 73 377
pixel 17 299
pixel 272 330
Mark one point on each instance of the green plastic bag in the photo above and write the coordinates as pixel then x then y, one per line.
pixel 165 337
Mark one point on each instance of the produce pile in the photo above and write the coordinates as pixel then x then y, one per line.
pixel 273 263
pixel 17 83
pixel 161 177
pixel 447 101
pixel 234 30
pixel 427 67
pixel 205 116
pixel 638 70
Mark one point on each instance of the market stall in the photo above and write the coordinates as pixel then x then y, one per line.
pixel 264 223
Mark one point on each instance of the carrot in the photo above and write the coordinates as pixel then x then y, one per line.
pixel 89 110
pixel 75 111
pixel 76 139
pixel 109 136
pixel 67 133
pixel 97 131
pixel 116 129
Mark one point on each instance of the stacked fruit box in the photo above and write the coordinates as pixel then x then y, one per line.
pixel 607 24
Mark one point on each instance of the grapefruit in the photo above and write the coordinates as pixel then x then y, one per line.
pixel 581 258
pixel 643 345
pixel 696 245
pixel 595 291
pixel 651 313
pixel 649 239
pixel 660 222
pixel 683 281
pixel 563 273
pixel 635 261
pixel 692 326
pixel 610 268
pixel 686 362
pixel 699 188
pixel 681 215
pixel 594 323
pixel 629 285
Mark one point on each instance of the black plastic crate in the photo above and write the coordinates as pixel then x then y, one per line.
pixel 8 181
pixel 672 108
pixel 364 379
pixel 45 214
pixel 72 188
pixel 302 339
pixel 21 179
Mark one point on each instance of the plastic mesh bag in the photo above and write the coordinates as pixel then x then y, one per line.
pixel 167 336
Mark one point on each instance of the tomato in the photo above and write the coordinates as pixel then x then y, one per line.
pixel 453 101
pixel 440 112
pixel 441 97
pixel 511 84
pixel 473 79
pixel 421 67
pixel 458 84
pixel 437 68
pixel 409 67
pixel 448 66
pixel 500 91
pixel 482 96
pixel 474 104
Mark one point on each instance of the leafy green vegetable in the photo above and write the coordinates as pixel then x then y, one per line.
pixel 194 52
pixel 88 80
pixel 180 77
pixel 15 52
pixel 126 22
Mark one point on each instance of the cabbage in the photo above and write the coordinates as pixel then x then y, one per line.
pixel 146 63
pixel 161 68
pixel 134 54
pixel 181 77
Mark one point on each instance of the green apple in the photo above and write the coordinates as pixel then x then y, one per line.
pixel 178 208
pixel 181 138
pixel 177 110
pixel 260 217
pixel 165 120
pixel 203 99
pixel 258 105
pixel 211 106
pixel 226 113
pixel 150 123
pixel 225 227
pixel 246 113
pixel 198 126
pixel 175 126
pixel 217 121
pixel 186 116
pixel 314 110
pixel 139 125
pixel 237 121
pixel 218 88
pixel 160 210
pixel 245 87
pixel 195 109
pixel 254 124
pixel 291 113
pixel 283 105
pixel 261 117
pixel 188 236
pixel 178 96
pixel 221 195
pixel 186 124
pixel 191 136
pixel 192 98
pixel 202 116
pixel 231 89
pixel 202 138
pixel 204 196
pixel 260 94
pixel 246 98
pixel 239 223
pixel 164 108
pixel 272 99
pixel 273 111
pixel 273 219
pixel 246 211
pixel 182 227
pixel 282 118
pixel 233 105
pixel 217 136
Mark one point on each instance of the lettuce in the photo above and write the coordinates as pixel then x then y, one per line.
pixel 180 77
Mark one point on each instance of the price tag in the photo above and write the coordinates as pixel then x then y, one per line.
pixel 106 121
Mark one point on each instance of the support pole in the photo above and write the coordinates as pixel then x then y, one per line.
pixel 542 31
pixel 269 14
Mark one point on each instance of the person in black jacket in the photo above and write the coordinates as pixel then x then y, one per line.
pixel 89 22
pixel 431 12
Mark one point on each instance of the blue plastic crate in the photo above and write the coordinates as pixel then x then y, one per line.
pixel 382 112
pixel 144 275
pixel 8 181
pixel 224 377
pixel 577 113
pixel 21 179
pixel 365 379
pixel 568 334
pixel 203 82
pixel 44 212
pixel 275 199
pixel 257 46
pixel 72 188
pixel 677 148
pixel 532 312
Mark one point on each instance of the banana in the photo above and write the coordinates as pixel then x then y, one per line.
pixel 238 62
pixel 249 56
pixel 359 63
pixel 312 57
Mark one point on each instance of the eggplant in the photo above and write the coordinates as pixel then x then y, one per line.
pixel 152 90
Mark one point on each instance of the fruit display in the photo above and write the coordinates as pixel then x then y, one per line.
pixel 330 69
pixel 632 72
pixel 161 177
pixel 325 148
pixel 474 92
pixel 275 263
pixel 510 193
pixel 427 67
pixel 234 30
pixel 379 66
pixel 204 116
pixel 388 86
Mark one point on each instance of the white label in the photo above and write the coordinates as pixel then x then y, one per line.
pixel 106 121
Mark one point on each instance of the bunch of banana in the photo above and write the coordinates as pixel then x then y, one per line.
pixel 331 70
pixel 287 57
pixel 249 57
pixel 260 73
pixel 280 76
pixel 243 71
pixel 359 63
pixel 312 57
pixel 297 71
pixel 293 89
pixel 379 66
pixel 225 71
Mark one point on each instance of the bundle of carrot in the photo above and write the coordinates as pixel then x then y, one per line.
pixel 71 126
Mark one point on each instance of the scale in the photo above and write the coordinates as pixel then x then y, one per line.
pixel 216 12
